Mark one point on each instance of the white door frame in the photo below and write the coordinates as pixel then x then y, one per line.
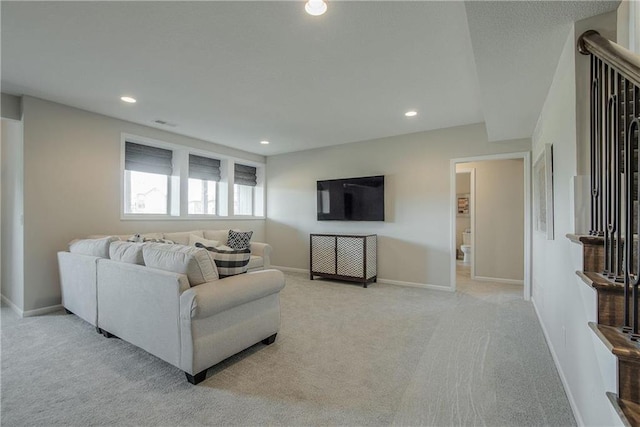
pixel 526 160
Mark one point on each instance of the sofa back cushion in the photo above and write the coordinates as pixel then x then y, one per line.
pixel 94 247
pixel 219 235
pixel 182 237
pixel 193 239
pixel 196 263
pixel 128 252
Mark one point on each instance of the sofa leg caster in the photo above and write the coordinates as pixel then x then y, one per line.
pixel 67 311
pixel 106 334
pixel 270 340
pixel 197 378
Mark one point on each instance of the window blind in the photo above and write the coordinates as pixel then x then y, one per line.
pixel 204 168
pixel 144 158
pixel 245 175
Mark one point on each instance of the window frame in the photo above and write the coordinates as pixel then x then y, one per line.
pixel 178 207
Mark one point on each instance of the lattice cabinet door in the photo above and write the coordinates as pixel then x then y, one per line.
pixel 350 256
pixel 323 254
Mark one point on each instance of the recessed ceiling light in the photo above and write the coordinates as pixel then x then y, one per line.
pixel 265 142
pixel 411 113
pixel 128 99
pixel 315 7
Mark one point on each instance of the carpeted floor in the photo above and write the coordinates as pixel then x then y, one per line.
pixel 344 356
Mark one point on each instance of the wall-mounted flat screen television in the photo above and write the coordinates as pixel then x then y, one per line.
pixel 351 199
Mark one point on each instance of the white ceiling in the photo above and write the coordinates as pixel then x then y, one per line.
pixel 235 73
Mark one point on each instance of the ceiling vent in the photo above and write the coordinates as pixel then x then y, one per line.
pixel 164 123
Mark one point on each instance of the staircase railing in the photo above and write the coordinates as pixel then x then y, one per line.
pixel 615 125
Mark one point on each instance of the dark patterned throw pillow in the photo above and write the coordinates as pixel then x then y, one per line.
pixel 239 239
pixel 229 263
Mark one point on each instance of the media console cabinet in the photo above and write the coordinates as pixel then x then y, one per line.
pixel 344 257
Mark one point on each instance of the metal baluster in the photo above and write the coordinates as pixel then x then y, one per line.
pixel 594 145
pixel 610 241
pixel 619 131
pixel 628 171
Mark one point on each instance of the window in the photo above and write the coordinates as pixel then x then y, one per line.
pixel 204 174
pixel 147 174
pixel 169 181
pixel 245 180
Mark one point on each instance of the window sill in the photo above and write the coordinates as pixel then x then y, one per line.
pixel 190 218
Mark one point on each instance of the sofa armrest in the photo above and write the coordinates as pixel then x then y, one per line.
pixel 78 284
pixel 210 298
pixel 264 250
pixel 141 305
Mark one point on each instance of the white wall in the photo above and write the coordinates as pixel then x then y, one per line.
pixel 414 241
pixel 564 304
pixel 499 219
pixel 12 229
pixel 72 188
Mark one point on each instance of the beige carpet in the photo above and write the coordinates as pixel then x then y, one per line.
pixel 345 356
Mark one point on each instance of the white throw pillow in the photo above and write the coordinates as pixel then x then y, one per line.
pixel 193 239
pixel 93 247
pixel 128 252
pixel 196 263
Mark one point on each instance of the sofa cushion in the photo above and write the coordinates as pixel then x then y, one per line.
pixel 128 252
pixel 229 263
pixel 193 239
pixel 239 239
pixel 183 236
pixel 196 263
pixel 219 235
pixel 94 247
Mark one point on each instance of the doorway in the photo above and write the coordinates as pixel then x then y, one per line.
pixel 496 211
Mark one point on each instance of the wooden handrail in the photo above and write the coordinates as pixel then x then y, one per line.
pixel 623 60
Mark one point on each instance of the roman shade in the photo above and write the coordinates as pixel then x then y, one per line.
pixel 204 168
pixel 144 158
pixel 245 175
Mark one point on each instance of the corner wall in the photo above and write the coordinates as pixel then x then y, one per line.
pixel 563 303
pixel 414 241
pixel 12 229
pixel 72 188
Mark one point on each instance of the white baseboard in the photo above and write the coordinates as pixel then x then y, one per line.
pixel 43 310
pixel 416 285
pixel 498 280
pixel 556 361
pixel 290 269
pixel 11 305
pixel 30 313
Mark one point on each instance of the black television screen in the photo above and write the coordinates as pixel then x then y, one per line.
pixel 351 199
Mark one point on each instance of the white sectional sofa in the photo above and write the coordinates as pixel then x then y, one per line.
pixel 174 306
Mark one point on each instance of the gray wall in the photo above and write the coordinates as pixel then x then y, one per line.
pixel 72 188
pixel 414 241
pixel 12 229
pixel 11 107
